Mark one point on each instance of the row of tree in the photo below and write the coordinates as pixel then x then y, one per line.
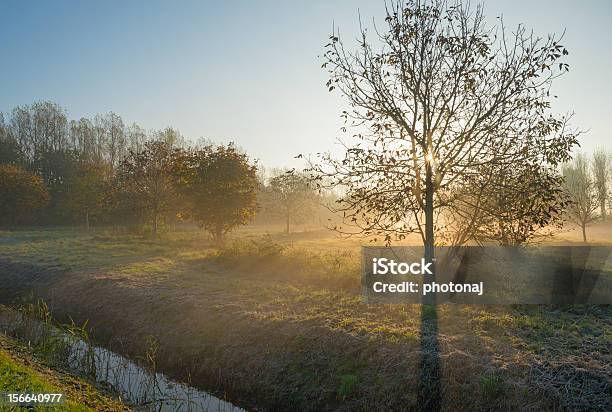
pixel 69 154
pixel 588 184
pixel 55 171
pixel 102 172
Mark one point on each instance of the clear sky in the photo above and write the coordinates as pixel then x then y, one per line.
pixel 246 71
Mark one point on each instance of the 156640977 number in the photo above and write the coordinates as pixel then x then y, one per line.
pixel 21 399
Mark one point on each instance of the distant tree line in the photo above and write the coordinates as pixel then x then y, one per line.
pixel 587 182
pixel 100 171
pixel 76 160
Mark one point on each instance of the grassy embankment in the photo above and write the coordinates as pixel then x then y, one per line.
pixel 22 372
pixel 278 322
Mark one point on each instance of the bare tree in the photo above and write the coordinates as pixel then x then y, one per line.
pixel 601 173
pixel 149 176
pixel 115 131
pixel 170 136
pixel 40 128
pixel 136 137
pixel 435 97
pixel 83 139
pixel 111 138
pixel 582 192
pixel 293 197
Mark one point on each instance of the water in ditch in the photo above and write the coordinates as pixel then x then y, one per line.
pixel 138 386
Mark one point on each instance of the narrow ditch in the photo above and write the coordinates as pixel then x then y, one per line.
pixel 140 386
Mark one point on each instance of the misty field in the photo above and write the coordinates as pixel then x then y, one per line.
pixel 277 322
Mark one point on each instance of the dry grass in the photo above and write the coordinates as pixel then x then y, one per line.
pixel 277 322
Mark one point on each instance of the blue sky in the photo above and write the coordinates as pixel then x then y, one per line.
pixel 246 71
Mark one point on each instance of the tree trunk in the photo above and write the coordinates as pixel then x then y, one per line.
pixel 429 383
pixel 504 235
pixel 87 220
pixel 429 229
pixel 287 225
pixel 584 239
pixel 603 210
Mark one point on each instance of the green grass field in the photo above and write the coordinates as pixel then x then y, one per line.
pixel 21 372
pixel 277 322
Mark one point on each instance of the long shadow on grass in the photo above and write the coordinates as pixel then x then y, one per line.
pixel 429 383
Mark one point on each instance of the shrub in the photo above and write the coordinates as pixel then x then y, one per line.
pixel 263 247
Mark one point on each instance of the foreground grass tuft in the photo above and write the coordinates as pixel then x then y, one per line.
pixel 492 386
